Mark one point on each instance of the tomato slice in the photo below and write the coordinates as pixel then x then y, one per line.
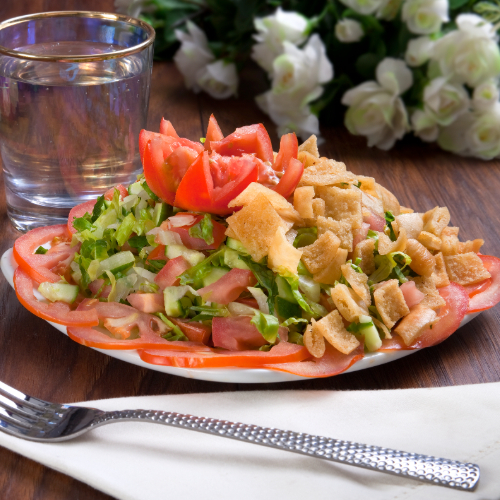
pixel 39 266
pixel 491 295
pixel 252 139
pixel 289 149
pixel 79 211
pixel 229 287
pixel 284 352
pixel 57 312
pixel 157 253
pixel 450 316
pixel 166 128
pixel 214 133
pixel 196 187
pixel 218 232
pixel 480 287
pixel 108 195
pixel 168 275
pixel 290 179
pixel 332 363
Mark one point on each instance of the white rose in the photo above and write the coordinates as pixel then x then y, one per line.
pixel 419 51
pixel 483 135
pixel 424 126
pixel 375 108
pixel 453 137
pixel 272 31
pixel 425 17
pixel 445 101
pixel 469 54
pixel 349 30
pixel 365 7
pixel 219 79
pixel 298 75
pixel 193 55
pixel 485 96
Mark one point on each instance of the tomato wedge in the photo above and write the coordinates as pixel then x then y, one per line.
pixel 287 162
pixel 58 312
pixel 194 331
pixel 214 133
pixel 218 233
pixel 289 149
pixel 252 139
pixel 108 195
pixel 332 363
pixel 450 316
pixel 79 211
pixel 490 296
pixel 39 266
pixel 284 352
pixel 229 287
pixel 166 128
pixel 290 179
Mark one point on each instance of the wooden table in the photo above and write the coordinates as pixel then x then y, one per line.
pixel 37 359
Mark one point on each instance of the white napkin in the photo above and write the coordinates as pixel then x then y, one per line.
pixel 146 461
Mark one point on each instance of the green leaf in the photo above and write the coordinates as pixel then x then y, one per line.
pixel 293 321
pixel 99 207
pixel 203 229
pixel 294 285
pixel 83 223
pixel 456 4
pixel 194 275
pixel 389 218
pixel 138 242
pixel 94 249
pixel 267 325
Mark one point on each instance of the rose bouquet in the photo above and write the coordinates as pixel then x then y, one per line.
pixel 430 67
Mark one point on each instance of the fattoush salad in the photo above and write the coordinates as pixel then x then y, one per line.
pixel 226 254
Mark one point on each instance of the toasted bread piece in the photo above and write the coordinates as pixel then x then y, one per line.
pixel 332 328
pixel 302 201
pixel 314 340
pixel 440 275
pixel 341 229
pixel 255 225
pixel 307 158
pixel 342 204
pixel 412 223
pixel 389 201
pixel 415 323
pixel 436 220
pixel 367 185
pixel 406 210
pixel 430 241
pixel 348 303
pixel 310 146
pixel 386 245
pixel 283 257
pixel 319 255
pixel 427 286
pixel 364 251
pixel 331 273
pixel 358 282
pixel 422 261
pixel 390 302
pixel 325 174
pixel 470 246
pixel 465 268
pixel 318 207
pixel 449 241
pixel 372 203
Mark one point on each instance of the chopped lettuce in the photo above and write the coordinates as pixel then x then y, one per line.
pixel 391 266
pixel 203 229
pixel 267 324
pixel 389 218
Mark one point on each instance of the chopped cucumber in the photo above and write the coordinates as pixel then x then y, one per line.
pixel 232 260
pixel 192 256
pixel 236 245
pixel 161 212
pixel 214 275
pixel 135 188
pixel 284 289
pixel 176 302
pixel 118 262
pixel 59 292
pixel 373 341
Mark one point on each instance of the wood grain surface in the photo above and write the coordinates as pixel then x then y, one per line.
pixel 39 360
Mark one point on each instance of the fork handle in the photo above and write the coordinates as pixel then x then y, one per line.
pixel 438 471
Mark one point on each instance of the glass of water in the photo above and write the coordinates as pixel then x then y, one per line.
pixel 74 95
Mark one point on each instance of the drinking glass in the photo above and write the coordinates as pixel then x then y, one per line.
pixel 74 95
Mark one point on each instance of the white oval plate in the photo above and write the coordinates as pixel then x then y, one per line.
pixel 229 375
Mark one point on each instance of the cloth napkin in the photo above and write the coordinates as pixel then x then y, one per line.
pixel 145 461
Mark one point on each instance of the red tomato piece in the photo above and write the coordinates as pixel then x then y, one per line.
pixel 147 302
pixel 248 301
pixel 236 333
pixel 289 149
pixel 39 266
pixel 491 295
pixel 57 312
pixel 252 139
pixel 284 352
pixel 478 287
pixel 229 287
pixel 79 211
pixel 108 195
pixel 214 133
pixel 194 331
pixel 411 293
pixel 167 143
pixel 450 316
pixel 291 178
pixel 157 253
pixel 360 234
pixel 166 128
pixel 376 222
pixel 196 187
pixel 168 275
pixel 332 363
pixel 218 232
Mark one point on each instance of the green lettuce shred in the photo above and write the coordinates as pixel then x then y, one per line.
pixel 267 325
pixel 203 229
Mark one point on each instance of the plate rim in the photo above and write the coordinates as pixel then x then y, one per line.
pixel 225 375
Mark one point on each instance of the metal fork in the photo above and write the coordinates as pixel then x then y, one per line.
pixel 30 418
